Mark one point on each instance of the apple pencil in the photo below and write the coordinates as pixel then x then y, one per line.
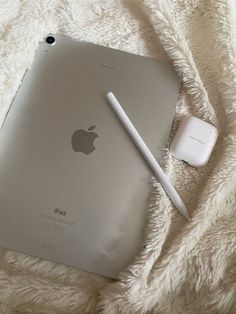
pixel 148 156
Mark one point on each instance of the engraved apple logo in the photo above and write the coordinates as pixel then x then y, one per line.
pixel 83 141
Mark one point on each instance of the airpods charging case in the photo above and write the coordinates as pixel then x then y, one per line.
pixel 194 141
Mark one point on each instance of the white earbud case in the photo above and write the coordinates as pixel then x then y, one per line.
pixel 194 141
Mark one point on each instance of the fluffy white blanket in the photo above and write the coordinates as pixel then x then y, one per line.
pixel 186 267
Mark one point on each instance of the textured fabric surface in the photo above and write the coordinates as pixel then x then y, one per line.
pixel 185 267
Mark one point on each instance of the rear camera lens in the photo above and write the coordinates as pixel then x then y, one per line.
pixel 50 40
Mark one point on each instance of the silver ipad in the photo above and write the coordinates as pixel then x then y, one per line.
pixel 73 187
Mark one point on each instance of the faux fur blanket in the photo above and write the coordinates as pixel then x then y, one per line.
pixel 185 267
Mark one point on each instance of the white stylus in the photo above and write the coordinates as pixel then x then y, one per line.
pixel 148 156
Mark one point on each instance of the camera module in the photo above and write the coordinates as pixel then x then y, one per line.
pixel 50 40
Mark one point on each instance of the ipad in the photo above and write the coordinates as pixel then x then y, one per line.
pixel 73 187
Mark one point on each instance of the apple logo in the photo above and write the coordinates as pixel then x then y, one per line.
pixel 83 141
